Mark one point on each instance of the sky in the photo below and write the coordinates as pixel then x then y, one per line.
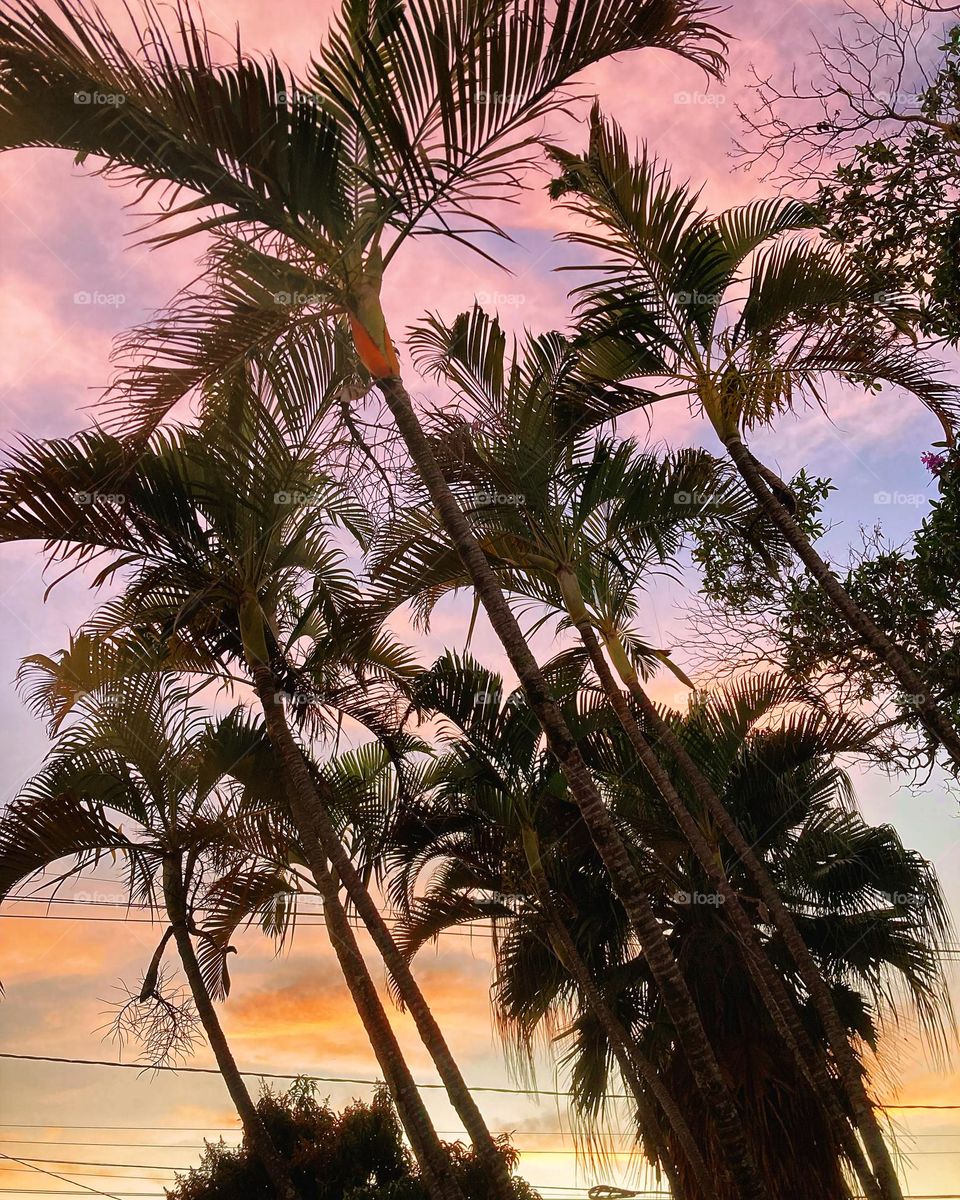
pixel 73 276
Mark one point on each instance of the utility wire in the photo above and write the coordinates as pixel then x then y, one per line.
pixel 236 1129
pixel 312 919
pixel 504 1091
pixel 63 1178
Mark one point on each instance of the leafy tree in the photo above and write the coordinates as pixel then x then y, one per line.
pixel 873 137
pixel 910 591
pixel 356 1154
pixel 871 910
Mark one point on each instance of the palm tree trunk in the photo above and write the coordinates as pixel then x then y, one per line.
pixel 850 1075
pixel 413 998
pixel 326 838
pixel 606 837
pixel 636 1068
pixel 305 806
pixel 935 721
pixel 883 1185
pixel 253 1127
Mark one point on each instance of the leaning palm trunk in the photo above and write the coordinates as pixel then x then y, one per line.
pixel 935 721
pixel 637 1070
pixel 322 845
pixel 881 1183
pixel 689 1027
pixel 253 1127
pixel 312 813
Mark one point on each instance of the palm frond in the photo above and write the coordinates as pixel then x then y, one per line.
pixel 42 826
pixel 169 116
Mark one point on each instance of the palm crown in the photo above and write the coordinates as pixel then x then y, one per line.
pixel 548 494
pixel 142 775
pixel 406 118
pixel 743 313
pixel 205 524
pixel 871 911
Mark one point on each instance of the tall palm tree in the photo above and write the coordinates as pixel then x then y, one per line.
pixel 872 911
pixel 747 317
pixel 407 118
pixel 486 795
pixel 135 775
pixel 388 138
pixel 576 524
pixel 222 532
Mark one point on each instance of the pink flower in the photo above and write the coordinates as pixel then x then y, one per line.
pixel 934 462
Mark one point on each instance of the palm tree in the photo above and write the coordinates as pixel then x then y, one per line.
pixel 576 523
pixel 486 796
pixel 872 911
pixel 407 118
pixel 747 322
pixel 222 531
pixel 136 775
pixel 387 137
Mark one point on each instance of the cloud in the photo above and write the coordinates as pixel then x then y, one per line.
pixel 32 950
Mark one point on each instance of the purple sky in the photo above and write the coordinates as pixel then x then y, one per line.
pixel 65 236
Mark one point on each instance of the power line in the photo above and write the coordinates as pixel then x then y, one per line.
pixel 139 1128
pixel 60 1192
pixel 506 1091
pixel 62 1178
pixel 562 1151
pixel 79 1162
pixel 556 1151
pixel 310 920
pixel 109 1145
pixel 98 1175
pixel 313 919
pixel 236 1129
pixel 114 1196
pixel 145 1069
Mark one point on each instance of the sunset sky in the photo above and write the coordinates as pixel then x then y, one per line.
pixel 65 234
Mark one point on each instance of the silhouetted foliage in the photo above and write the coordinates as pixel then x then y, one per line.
pixel 356 1154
